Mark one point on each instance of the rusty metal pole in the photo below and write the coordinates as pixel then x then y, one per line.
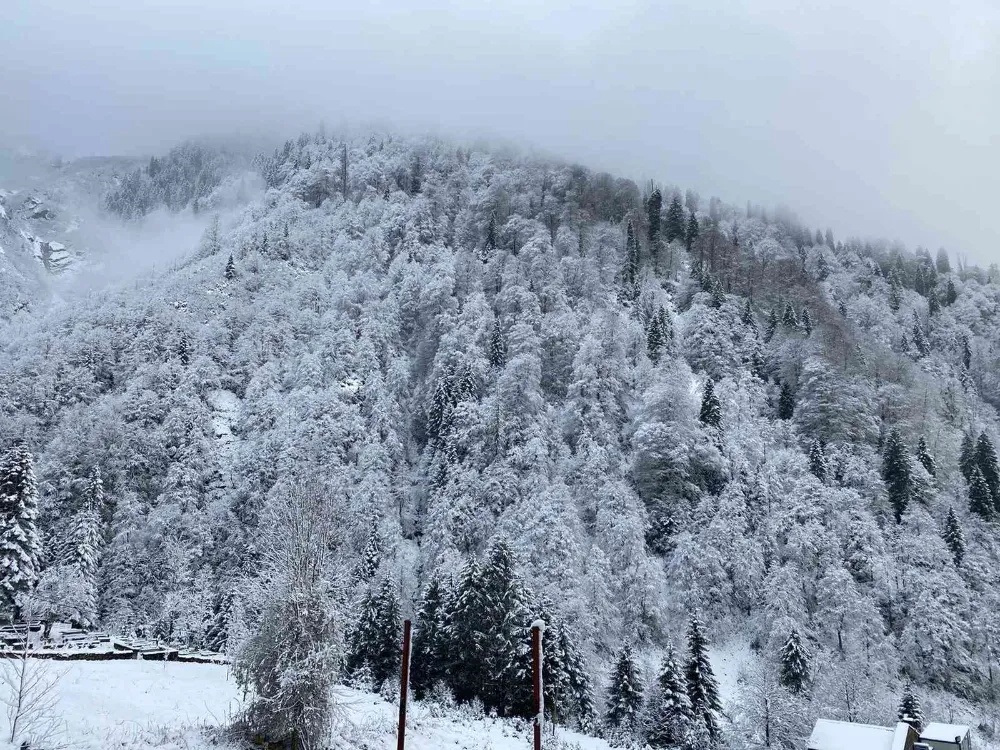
pixel 404 683
pixel 536 670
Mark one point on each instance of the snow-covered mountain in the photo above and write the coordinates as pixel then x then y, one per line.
pixel 622 409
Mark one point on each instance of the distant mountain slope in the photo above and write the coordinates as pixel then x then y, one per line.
pixel 729 415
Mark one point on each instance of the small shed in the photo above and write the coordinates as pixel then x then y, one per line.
pixel 946 736
pixel 847 735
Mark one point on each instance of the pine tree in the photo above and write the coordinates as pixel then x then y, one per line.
pixel 702 689
pixel 654 207
pixel 807 325
pixel 925 458
pixel 895 292
pixel 786 401
pixel 692 232
pixel 624 695
pixel 980 498
pixel 654 339
pixel 933 304
pixel 954 537
pixel 909 710
pixel 184 349
pixel 217 625
pixel 986 460
pixel 966 353
pixel 967 459
pixel 498 346
pixel 897 473
pixel 711 409
pixel 817 460
pixel 675 220
pixel 788 318
pixel 575 700
pixel 950 293
pixel 20 545
pixel 375 641
pixel 747 318
pixel 795 673
pixel 430 659
pixel 670 716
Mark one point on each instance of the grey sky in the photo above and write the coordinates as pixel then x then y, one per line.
pixel 877 117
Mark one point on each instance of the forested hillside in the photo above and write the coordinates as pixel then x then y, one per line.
pixel 508 388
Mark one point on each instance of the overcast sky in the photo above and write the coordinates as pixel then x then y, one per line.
pixel 876 117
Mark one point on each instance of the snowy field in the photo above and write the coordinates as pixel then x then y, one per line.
pixel 142 705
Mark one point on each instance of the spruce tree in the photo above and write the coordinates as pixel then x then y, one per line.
pixel 654 339
pixel 711 409
pixel 807 325
pixel 217 624
pixel 954 537
pixel 897 473
pixel 670 716
pixel 692 232
pixel 925 458
pixel 498 346
pixel 468 646
pixel 895 292
pixel 788 318
pixel 430 656
pixel 20 545
pixel 624 695
pixel 817 460
pixel 786 401
pixel 230 271
pixel 951 293
pixel 794 664
pixel 576 694
pixel 772 325
pixel 980 499
pixel 919 337
pixel 909 710
pixel 966 353
pixel 504 625
pixel 702 689
pixel 986 460
pixel 967 458
pixel 747 318
pixel 490 241
pixel 675 220
pixel 375 641
pixel 654 207
pixel 371 555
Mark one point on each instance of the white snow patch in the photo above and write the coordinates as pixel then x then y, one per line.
pixel 225 405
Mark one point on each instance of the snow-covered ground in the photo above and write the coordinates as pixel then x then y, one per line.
pixel 142 705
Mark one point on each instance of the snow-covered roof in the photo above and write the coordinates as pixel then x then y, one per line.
pixel 846 735
pixel 937 732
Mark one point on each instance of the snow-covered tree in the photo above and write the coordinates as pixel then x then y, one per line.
pixel 624 698
pixel 669 709
pixel 20 545
pixel 702 688
pixel 795 671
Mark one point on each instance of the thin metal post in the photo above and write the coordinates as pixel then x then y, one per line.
pixel 404 683
pixel 536 670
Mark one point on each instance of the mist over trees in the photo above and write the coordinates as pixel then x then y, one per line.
pixel 413 373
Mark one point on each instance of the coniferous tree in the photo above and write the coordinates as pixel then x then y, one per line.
pixel 467 636
pixel 954 537
pixel 20 545
pixel 807 325
pixel 966 353
pixel 184 349
pixel 575 694
pixel 967 459
pixel 498 346
pixel 897 473
pixel 371 555
pixel 795 673
pixel 375 641
pixel 925 458
pixel 711 409
pixel 702 689
pixel 654 208
pixel 217 625
pixel 919 337
pixel 230 272
pixel 624 695
pixel 430 657
pixel 747 317
pixel 933 304
pixel 786 401
pixel 692 232
pixel 895 292
pixel 772 325
pixel 950 292
pixel 788 318
pixel 670 716
pixel 675 220
pixel 980 498
pixel 909 710
pixel 654 339
pixel 490 243
pixel 817 460
pixel 986 460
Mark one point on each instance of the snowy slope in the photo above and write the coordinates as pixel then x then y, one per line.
pixel 150 704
